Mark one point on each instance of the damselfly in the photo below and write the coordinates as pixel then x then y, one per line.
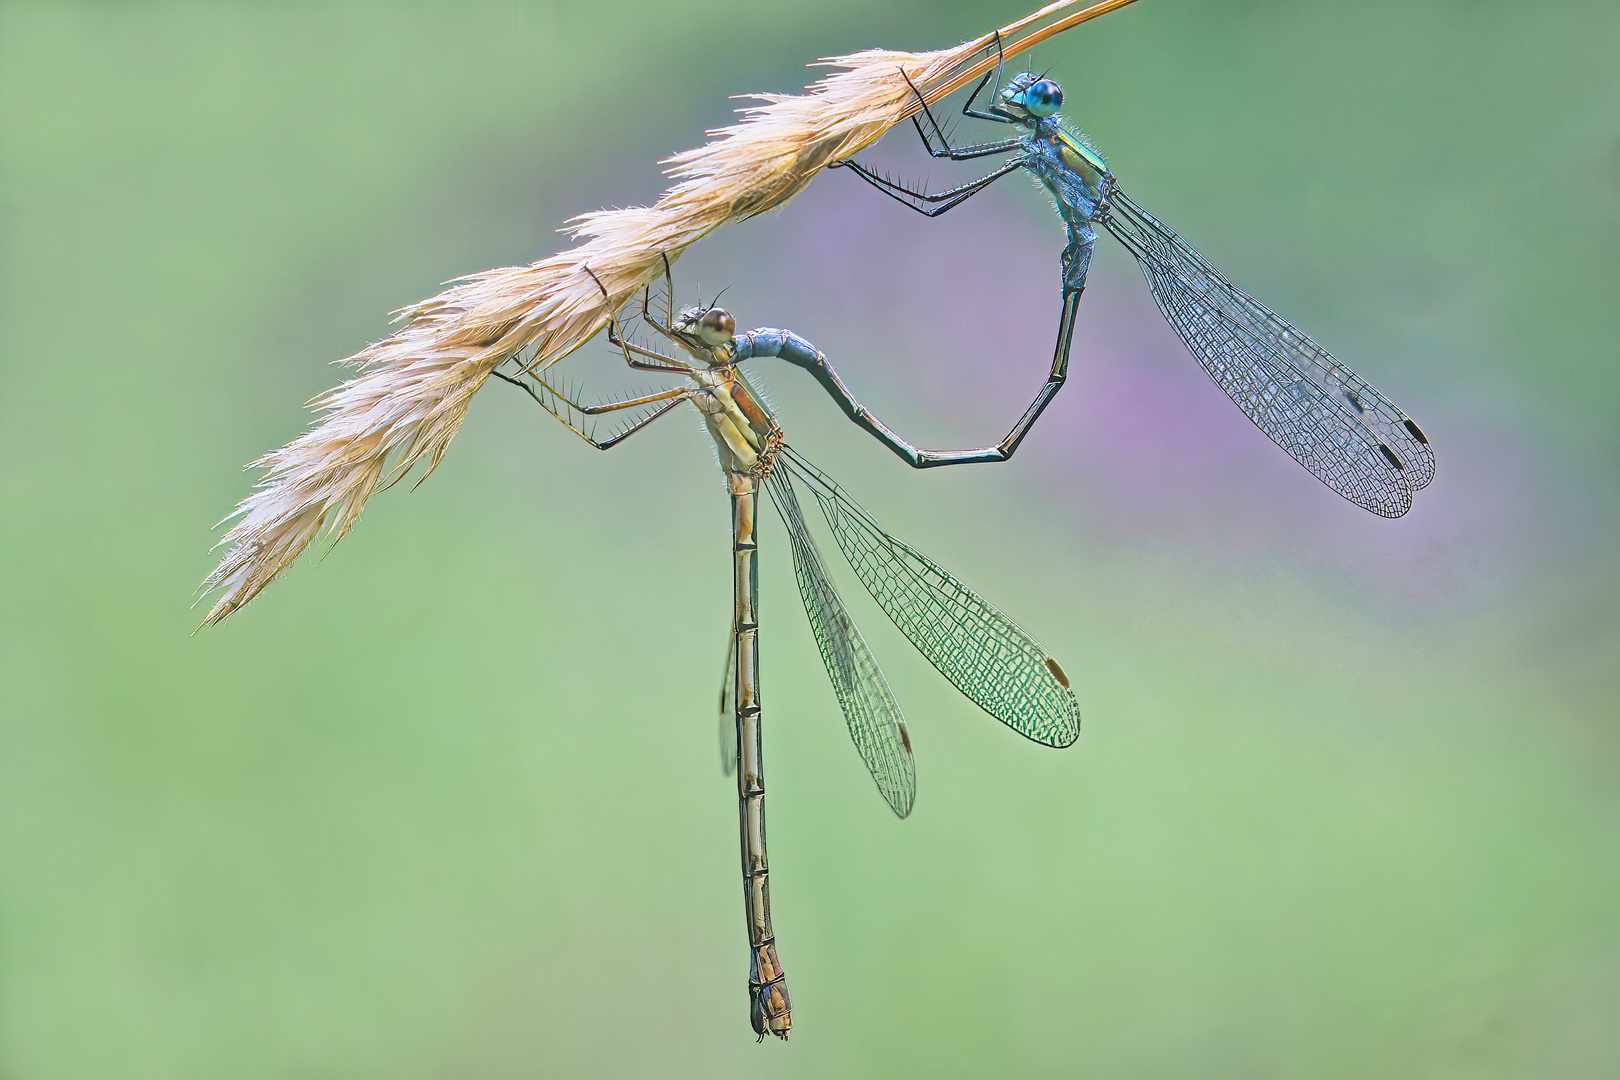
pixel 1327 417
pixel 988 658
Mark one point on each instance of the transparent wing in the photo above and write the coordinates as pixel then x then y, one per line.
pixel 873 716
pixel 728 710
pixel 982 652
pixel 1325 415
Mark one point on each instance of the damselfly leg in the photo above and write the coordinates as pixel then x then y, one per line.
pixel 936 203
pixel 561 406
pixel 933 204
pixel 802 354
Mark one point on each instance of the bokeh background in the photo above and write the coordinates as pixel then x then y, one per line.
pixel 446 803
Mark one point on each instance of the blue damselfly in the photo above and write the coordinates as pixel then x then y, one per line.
pixel 1318 410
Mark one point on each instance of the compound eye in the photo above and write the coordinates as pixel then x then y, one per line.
pixel 716 326
pixel 1044 98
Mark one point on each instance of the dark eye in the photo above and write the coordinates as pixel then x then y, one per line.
pixel 1044 98
pixel 716 326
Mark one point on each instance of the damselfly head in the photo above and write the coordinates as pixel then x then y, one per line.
pixel 1035 94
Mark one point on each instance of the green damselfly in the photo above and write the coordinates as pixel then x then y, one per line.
pixel 982 652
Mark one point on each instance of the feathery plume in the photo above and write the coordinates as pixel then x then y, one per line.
pixel 414 386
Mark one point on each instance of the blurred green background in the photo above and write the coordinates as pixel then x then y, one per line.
pixel 446 803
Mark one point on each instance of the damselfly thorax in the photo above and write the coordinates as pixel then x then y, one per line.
pixel 744 432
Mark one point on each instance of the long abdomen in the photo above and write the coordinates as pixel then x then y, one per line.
pixel 769 1005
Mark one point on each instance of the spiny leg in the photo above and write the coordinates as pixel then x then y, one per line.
pixel 666 329
pixel 961 153
pixel 946 200
pixel 671 398
pixel 599 409
pixel 660 362
pixel 946 150
pixel 996 112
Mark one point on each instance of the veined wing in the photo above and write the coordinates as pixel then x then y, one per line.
pixel 728 710
pixel 982 652
pixel 1392 426
pixel 1325 415
pixel 873 716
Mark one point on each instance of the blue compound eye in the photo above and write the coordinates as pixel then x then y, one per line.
pixel 1044 98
